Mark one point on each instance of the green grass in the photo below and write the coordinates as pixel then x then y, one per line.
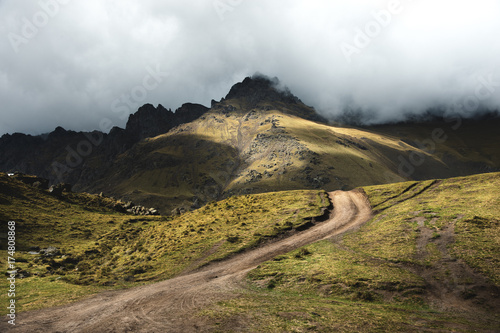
pixel 377 278
pixel 469 205
pixel 277 311
pixel 72 224
pixel 103 249
pixel 332 269
pixel 373 279
pixel 43 292
pixel 213 232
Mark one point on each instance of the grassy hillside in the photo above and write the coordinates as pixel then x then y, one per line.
pixel 101 249
pixel 461 140
pixel 237 149
pixel 428 260
pixel 71 224
pixel 216 231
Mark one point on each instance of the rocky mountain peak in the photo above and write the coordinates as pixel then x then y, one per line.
pixel 149 121
pixel 260 88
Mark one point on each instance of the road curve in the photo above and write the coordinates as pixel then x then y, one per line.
pixel 168 306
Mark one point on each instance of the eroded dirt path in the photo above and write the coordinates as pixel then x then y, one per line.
pixel 168 306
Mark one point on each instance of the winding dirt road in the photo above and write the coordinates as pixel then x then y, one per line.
pixel 168 306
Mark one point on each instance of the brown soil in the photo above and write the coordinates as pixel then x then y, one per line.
pixel 451 284
pixel 169 306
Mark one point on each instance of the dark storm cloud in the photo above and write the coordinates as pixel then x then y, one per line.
pixel 76 63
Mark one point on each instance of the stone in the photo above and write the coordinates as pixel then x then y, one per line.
pixel 56 190
pixel 50 251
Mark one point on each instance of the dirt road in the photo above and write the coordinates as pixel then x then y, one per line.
pixel 169 306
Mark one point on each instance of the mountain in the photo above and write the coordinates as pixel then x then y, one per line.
pixel 63 156
pixel 260 232
pixel 259 138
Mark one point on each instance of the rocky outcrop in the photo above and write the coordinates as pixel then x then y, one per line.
pixel 264 93
pixel 260 88
pixel 149 121
pixel 83 158
pixel 127 207
pixel 37 182
pixel 140 210
pixel 60 188
pixel 61 155
pixel 50 251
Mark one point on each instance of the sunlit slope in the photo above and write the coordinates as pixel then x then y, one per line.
pixel 428 260
pixel 260 151
pixel 232 150
pixel 98 248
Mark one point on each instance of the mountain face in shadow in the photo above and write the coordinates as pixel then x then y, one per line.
pixel 259 138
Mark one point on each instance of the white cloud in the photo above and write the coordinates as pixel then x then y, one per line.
pixel 92 52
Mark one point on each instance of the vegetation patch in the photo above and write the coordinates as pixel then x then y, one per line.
pixel 327 268
pixel 96 248
pixel 425 236
pixel 279 311
pixel 162 250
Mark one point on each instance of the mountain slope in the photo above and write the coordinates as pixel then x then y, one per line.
pixel 259 138
pixel 63 156
pixel 233 150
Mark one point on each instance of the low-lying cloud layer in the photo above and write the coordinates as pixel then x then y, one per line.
pixel 77 63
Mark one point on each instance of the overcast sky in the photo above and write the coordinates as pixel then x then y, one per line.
pixel 74 63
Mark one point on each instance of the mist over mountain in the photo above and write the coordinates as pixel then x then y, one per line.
pixel 260 137
pixel 254 176
pixel 77 64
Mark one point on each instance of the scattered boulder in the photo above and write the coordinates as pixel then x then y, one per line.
pixel 37 182
pixel 254 176
pixel 128 205
pixel 21 274
pixel 50 251
pixel 55 190
pixel 60 188
pixel 141 210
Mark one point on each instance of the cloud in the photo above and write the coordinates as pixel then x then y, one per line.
pixel 78 62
